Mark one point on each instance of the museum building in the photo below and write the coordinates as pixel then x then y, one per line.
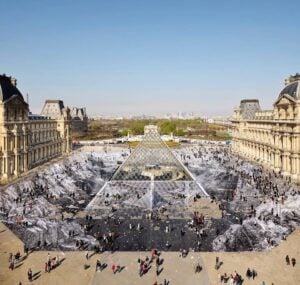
pixel 28 140
pixel 271 137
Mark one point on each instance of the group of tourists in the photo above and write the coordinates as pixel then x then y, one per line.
pixel 231 279
pixel 51 263
pixel 14 259
pixel 145 264
pixel 251 273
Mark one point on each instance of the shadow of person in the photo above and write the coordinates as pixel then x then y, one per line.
pixel 22 258
pixel 94 252
pixel 218 266
pixel 160 271
pixel 86 266
pixel 36 275
pixel 19 265
pixel 103 266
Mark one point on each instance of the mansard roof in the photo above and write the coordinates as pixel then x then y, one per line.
pixel 292 87
pixel 8 89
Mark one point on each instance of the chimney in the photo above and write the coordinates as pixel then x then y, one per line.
pixel 292 78
pixel 13 81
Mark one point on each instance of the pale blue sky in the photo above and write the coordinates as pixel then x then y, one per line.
pixel 152 57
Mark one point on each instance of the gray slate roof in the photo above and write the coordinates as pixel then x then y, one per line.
pixel 7 89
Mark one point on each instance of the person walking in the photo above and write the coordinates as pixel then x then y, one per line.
pixel 29 273
pixel 287 259
pixel 98 265
pixel 12 265
pixel 57 260
pixel 157 270
pixel 248 273
pixel 49 265
pixel 254 273
pixel 217 263
pixel 113 268
pixel 293 261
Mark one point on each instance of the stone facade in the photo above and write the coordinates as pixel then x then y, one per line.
pixel 54 109
pixel 27 140
pixel 271 137
pixel 79 120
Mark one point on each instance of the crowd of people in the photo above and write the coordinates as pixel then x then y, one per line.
pixel 267 185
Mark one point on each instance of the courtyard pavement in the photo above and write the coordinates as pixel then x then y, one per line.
pixel 271 266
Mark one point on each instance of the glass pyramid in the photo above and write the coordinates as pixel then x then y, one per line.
pixel 152 160
pixel 150 179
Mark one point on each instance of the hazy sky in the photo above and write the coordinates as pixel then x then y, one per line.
pixel 151 57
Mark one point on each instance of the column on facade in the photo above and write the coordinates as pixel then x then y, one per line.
pixel 288 163
pixel 4 160
pixel 297 167
pixel 277 163
pixel 289 142
pixel 16 166
pixel 266 154
pixel 284 166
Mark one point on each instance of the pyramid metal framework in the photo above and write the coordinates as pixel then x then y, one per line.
pixel 150 179
pixel 152 160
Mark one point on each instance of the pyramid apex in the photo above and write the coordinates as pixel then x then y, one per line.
pixel 150 129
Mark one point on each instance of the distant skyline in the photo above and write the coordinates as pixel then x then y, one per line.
pixel 150 57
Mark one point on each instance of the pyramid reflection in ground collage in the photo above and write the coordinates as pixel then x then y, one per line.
pixel 151 178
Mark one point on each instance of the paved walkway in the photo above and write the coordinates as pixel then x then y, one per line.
pixel 176 269
pixel 270 266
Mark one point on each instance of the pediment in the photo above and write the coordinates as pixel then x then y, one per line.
pixel 16 101
pixel 285 100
